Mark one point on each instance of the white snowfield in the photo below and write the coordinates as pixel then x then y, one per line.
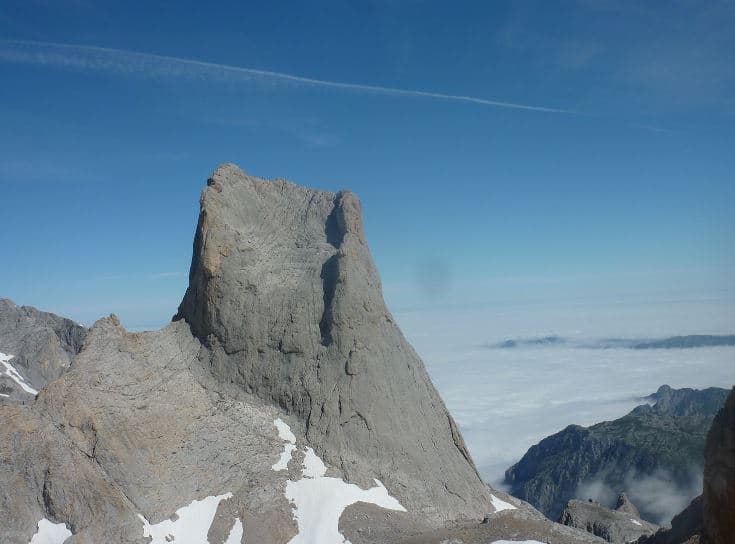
pixel 284 431
pixel 50 533
pixel 318 501
pixel 192 524
pixel 500 505
pixel 285 434
pixel 636 522
pixel 10 371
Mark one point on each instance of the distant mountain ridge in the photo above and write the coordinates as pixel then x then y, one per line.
pixel 691 341
pixel 663 442
pixel 672 342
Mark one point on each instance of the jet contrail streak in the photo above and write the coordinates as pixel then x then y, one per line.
pixel 123 61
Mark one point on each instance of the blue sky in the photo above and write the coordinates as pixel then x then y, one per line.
pixel 606 172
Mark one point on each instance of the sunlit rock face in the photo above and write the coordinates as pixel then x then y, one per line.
pixel 285 296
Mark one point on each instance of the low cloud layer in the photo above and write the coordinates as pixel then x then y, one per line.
pixel 658 496
pixel 506 400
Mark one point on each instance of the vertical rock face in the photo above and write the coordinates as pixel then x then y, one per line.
pixel 686 527
pixel 284 294
pixel 719 477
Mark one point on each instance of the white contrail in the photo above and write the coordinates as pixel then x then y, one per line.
pixel 123 61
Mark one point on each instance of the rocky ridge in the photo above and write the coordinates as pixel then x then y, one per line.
pixel 282 375
pixel 664 438
pixel 621 525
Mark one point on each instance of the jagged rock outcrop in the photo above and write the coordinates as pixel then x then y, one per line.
pixel 524 524
pixel 663 443
pixel 135 429
pixel 719 477
pixel 284 294
pixel 282 405
pixel 623 504
pixel 35 348
pixel 619 526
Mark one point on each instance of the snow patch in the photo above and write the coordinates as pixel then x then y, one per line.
pixel 500 505
pixel 318 501
pixel 10 371
pixel 314 467
pixel 284 431
pixel 49 532
pixel 4 395
pixel 282 463
pixel 516 542
pixel 285 434
pixel 192 524
pixel 638 523
pixel 236 533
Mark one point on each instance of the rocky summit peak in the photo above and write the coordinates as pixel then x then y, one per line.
pixel 284 294
pixel 623 504
pixel 663 390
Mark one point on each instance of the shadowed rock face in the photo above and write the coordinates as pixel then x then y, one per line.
pixel 710 518
pixel 284 294
pixel 41 344
pixel 719 477
pixel 686 527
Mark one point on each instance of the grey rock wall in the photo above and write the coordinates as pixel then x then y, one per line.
pixel 284 294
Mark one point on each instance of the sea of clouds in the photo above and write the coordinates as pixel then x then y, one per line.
pixel 507 399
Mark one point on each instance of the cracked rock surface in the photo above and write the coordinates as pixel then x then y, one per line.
pixel 284 294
